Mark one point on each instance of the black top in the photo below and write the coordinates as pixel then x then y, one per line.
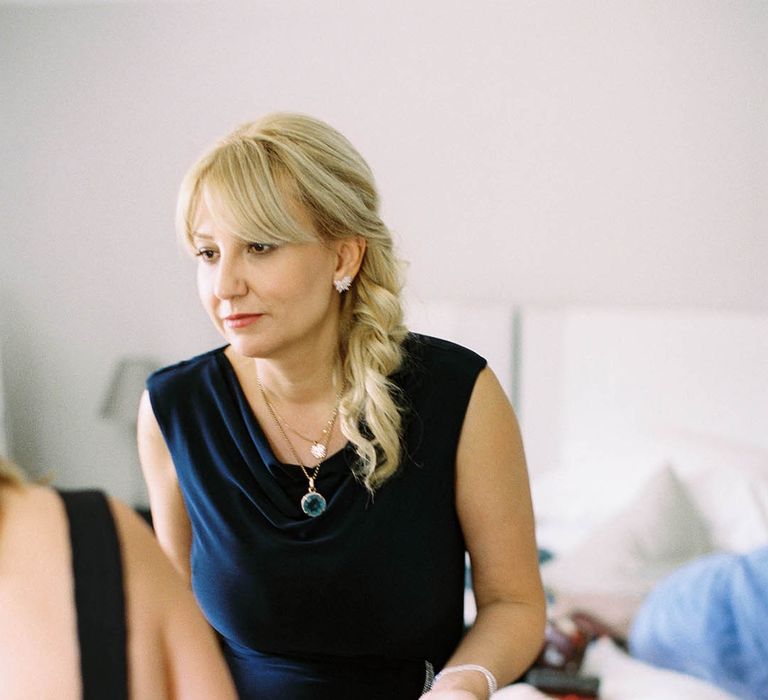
pixel 99 600
pixel 372 581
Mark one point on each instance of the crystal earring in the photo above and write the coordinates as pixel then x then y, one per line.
pixel 343 284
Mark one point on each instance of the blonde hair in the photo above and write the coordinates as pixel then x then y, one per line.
pixel 10 474
pixel 247 182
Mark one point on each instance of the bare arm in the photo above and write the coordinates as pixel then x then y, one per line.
pixel 172 651
pixel 494 506
pixel 169 514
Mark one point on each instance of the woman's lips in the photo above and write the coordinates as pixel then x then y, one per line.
pixel 236 321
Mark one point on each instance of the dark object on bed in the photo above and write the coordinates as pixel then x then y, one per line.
pixel 557 682
pixel 566 639
pixel 564 645
pixel 593 627
pixel 557 668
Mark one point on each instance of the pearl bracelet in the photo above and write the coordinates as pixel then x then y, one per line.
pixel 490 679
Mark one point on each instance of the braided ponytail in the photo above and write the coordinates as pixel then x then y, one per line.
pixel 371 352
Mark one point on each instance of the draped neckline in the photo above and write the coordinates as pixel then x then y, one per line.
pixel 333 462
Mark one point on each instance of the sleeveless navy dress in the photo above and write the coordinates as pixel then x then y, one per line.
pixel 356 603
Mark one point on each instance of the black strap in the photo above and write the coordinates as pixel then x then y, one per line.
pixel 99 598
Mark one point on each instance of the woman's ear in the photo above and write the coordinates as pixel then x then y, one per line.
pixel 349 256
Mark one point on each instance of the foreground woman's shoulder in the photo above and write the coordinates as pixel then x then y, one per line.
pixel 161 608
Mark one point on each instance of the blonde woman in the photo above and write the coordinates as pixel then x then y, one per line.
pixel 318 478
pixel 80 620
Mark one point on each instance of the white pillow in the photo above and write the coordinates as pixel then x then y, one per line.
pixel 625 678
pixel 611 570
pixel 729 485
pixel 570 501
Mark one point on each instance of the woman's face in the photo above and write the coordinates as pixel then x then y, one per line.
pixel 266 300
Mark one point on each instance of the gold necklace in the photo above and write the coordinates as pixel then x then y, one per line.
pixel 313 502
pixel 319 447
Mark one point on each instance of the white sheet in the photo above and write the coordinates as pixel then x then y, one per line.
pixel 625 678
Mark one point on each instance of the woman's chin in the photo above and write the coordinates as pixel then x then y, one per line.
pixel 249 347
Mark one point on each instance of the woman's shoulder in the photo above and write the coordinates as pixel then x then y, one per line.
pixel 36 562
pixel 427 352
pixel 32 504
pixel 185 370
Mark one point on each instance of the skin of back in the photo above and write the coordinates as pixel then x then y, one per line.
pixel 172 651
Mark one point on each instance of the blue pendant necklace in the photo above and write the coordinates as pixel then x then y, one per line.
pixel 312 503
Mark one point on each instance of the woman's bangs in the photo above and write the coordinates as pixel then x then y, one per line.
pixel 244 198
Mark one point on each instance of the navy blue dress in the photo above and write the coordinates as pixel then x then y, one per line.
pixel 355 602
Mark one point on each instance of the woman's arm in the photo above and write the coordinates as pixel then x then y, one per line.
pixel 494 506
pixel 169 514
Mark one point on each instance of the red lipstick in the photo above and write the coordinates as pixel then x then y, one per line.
pixel 236 321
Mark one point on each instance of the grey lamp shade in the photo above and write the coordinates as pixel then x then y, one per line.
pixel 121 402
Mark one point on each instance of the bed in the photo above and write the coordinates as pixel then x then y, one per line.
pixel 646 443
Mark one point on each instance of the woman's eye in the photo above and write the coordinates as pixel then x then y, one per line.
pixel 261 248
pixel 205 254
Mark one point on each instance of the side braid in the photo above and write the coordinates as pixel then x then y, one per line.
pixel 369 412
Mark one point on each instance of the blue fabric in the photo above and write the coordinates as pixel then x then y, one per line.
pixel 710 619
pixel 374 583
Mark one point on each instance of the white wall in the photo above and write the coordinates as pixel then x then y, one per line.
pixel 530 152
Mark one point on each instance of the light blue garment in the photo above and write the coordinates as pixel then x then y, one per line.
pixel 710 619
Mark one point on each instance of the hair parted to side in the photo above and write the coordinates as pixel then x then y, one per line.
pixel 247 181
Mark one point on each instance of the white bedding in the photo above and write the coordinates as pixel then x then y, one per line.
pixel 625 678
pixel 611 399
pixel 634 398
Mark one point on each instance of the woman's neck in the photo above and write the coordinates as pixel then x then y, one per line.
pixel 300 382
pixel 305 373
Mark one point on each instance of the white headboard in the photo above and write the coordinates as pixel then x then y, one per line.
pixel 596 383
pixel 608 396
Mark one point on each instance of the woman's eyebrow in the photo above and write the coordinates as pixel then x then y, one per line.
pixel 202 234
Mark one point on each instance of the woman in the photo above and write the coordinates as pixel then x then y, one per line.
pixel 81 621
pixel 318 478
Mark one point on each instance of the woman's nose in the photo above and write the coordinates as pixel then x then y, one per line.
pixel 230 281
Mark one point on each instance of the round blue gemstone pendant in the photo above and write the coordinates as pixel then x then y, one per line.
pixel 313 504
